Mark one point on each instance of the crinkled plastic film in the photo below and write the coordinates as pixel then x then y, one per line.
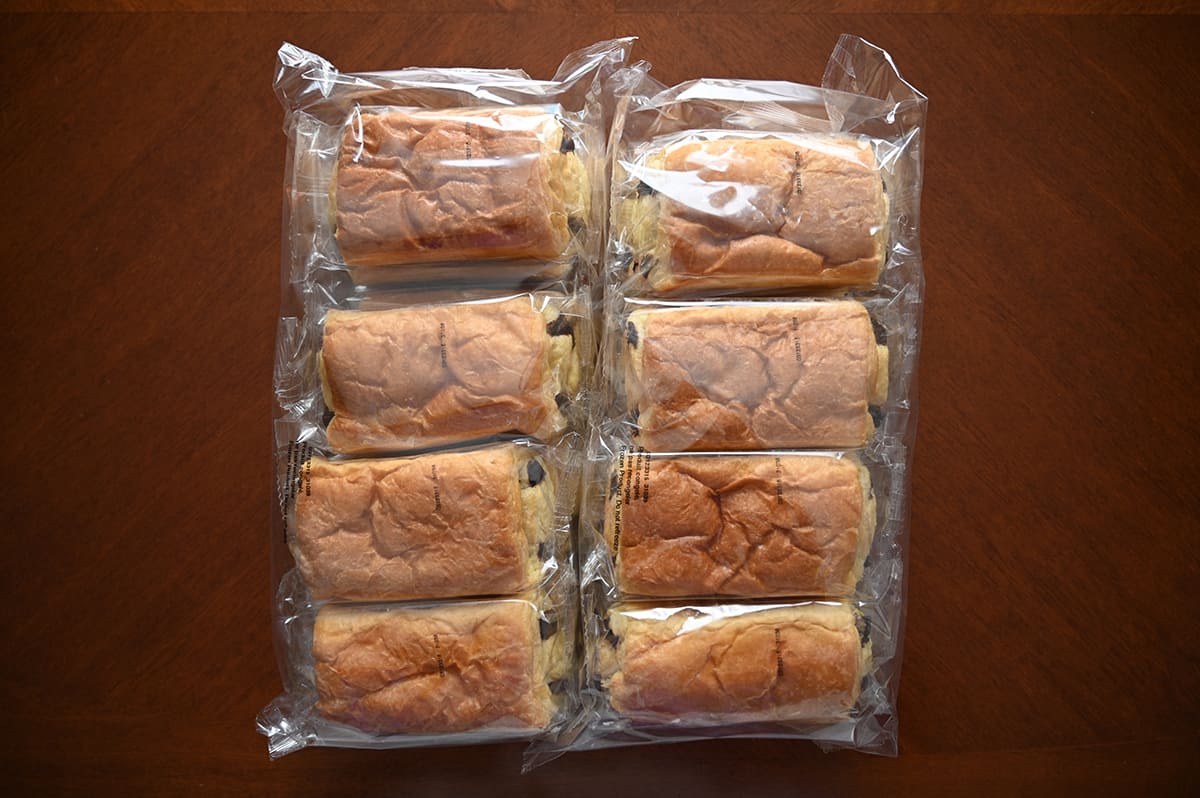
pixel 724 421
pixel 766 187
pixel 644 646
pixel 733 375
pixel 744 509
pixel 442 230
pixel 459 176
pixel 390 372
pixel 712 211
pixel 479 521
pixel 421 673
pixel 753 525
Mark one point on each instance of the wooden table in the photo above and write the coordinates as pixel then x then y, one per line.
pixel 1052 638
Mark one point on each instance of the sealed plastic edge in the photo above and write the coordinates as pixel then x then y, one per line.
pixel 853 708
pixel 318 710
pixel 862 97
pixel 318 100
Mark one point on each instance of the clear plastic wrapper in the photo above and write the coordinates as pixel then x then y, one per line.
pixel 713 210
pixel 467 175
pixel 445 524
pixel 423 674
pixel 424 541
pixel 748 525
pixel 739 186
pixel 733 663
pixel 745 494
pixel 817 670
pixel 742 375
pixel 457 185
pixel 442 230
pixel 377 376
pixel 710 526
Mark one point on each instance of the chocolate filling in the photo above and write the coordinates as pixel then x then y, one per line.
pixel 535 473
pixel 881 335
pixel 864 629
pixel 562 325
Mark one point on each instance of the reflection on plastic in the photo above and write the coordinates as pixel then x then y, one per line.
pixel 439 226
pixel 734 663
pixel 456 185
pixel 712 211
pixel 808 196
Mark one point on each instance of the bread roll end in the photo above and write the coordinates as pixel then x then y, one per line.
pixel 879 387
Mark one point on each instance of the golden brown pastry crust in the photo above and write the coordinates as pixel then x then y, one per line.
pixel 458 184
pixel 744 525
pixel 449 668
pixel 437 525
pixel 753 375
pixel 437 374
pixel 734 664
pixel 760 213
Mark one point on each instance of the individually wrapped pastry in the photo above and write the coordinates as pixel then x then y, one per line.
pixel 427 176
pixel 752 375
pixel 429 375
pixel 441 230
pixel 464 184
pixel 696 486
pixel 713 210
pixel 731 186
pixel 732 663
pixel 748 525
pixel 439 525
pixel 422 674
pixel 437 669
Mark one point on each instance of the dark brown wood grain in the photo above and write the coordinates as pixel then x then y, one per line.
pixel 1052 641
